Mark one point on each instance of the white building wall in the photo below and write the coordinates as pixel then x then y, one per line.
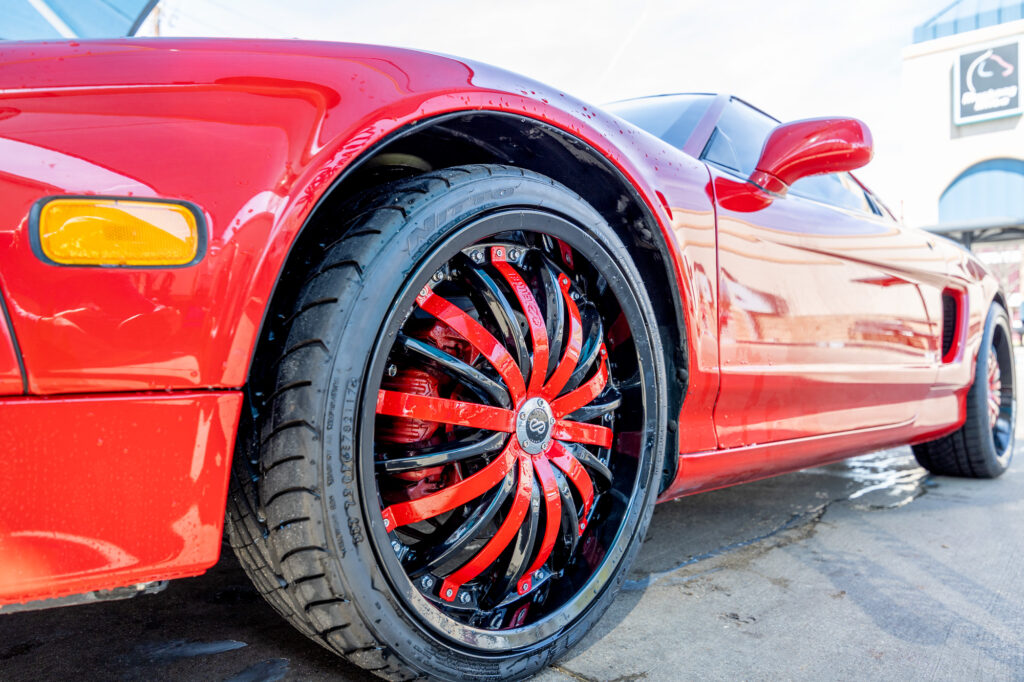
pixel 936 150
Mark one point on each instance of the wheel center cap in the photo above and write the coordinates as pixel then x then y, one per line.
pixel 534 424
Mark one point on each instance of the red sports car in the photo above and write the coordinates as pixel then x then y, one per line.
pixel 434 337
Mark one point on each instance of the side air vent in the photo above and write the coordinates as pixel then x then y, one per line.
pixel 950 315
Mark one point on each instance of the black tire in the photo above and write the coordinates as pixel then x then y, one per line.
pixel 983 446
pixel 305 511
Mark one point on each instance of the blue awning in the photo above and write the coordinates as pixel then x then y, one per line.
pixel 56 19
pixel 990 190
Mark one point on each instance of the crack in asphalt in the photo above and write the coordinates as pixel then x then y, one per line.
pixel 583 678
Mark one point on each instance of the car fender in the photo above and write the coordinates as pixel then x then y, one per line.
pixel 282 139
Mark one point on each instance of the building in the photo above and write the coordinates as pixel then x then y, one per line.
pixel 964 136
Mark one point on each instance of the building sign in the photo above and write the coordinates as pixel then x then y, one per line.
pixel 986 83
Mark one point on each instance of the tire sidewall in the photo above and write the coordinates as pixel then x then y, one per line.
pixel 997 319
pixel 351 518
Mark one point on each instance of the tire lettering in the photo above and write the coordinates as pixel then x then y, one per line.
pixel 346 450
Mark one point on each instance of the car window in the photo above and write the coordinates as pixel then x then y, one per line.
pixel 737 141
pixel 835 189
pixel 669 117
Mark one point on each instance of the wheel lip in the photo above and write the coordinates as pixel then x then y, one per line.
pixel 519 640
pixel 995 386
pixel 997 344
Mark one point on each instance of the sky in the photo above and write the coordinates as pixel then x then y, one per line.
pixel 793 58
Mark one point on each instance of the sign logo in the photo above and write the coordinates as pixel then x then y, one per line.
pixel 987 84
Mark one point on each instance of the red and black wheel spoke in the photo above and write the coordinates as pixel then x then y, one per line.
pixel 495 437
pixel 462 544
pixel 443 410
pixel 593 334
pixel 438 455
pixel 470 376
pixel 564 370
pixel 493 306
pixel 554 319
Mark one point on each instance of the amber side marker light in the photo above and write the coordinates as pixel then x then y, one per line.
pixel 111 231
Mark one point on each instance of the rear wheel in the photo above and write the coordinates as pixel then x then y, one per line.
pixel 459 457
pixel 983 446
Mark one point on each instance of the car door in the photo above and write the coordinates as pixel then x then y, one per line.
pixel 823 325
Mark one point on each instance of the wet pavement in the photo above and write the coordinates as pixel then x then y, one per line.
pixel 864 569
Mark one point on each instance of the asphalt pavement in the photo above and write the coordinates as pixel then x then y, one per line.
pixel 867 569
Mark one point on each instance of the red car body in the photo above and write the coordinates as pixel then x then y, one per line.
pixel 122 388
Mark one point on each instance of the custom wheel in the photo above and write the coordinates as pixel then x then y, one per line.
pixel 459 455
pixel 983 446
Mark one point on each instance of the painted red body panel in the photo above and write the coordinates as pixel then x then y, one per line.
pixel 112 491
pixel 254 133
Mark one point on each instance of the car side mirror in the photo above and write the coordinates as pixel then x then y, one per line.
pixel 811 147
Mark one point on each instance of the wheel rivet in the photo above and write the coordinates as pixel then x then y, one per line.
pixel 464 597
pixel 513 254
pixel 522 416
pixel 438 276
pixel 392 370
pixel 608 417
pixel 396 545
pixel 427 582
pixel 477 257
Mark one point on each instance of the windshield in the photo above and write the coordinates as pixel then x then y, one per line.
pixel 669 117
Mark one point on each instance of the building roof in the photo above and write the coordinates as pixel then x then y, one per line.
pixel 55 19
pixel 967 15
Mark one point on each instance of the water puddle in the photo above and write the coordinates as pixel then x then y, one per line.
pixel 175 649
pixel 881 480
pixel 270 670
